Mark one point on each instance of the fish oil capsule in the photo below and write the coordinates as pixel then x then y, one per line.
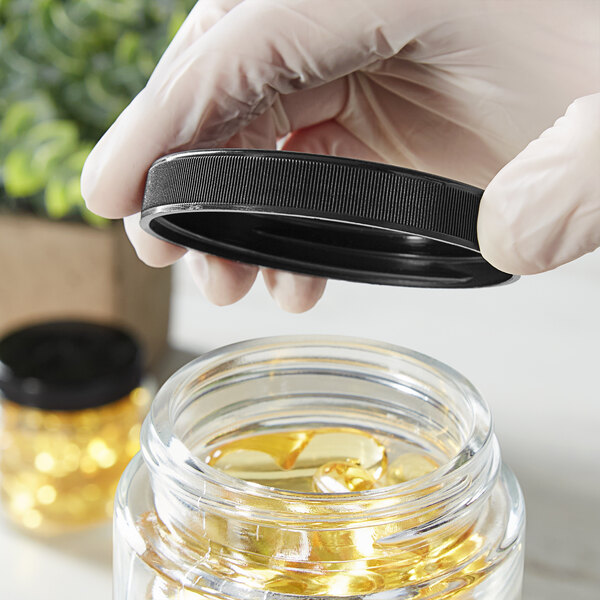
pixel 289 460
pixel 340 477
pixel 266 459
pixel 341 445
pixel 410 465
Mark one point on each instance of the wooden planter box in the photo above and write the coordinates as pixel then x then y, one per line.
pixel 53 270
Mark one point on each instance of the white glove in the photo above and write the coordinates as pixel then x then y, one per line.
pixel 455 88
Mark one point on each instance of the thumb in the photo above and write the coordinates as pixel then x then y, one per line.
pixel 542 209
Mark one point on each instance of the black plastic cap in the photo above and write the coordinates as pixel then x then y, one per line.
pixel 320 215
pixel 69 365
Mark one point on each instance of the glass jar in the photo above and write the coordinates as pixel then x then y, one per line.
pixel 71 408
pixel 186 529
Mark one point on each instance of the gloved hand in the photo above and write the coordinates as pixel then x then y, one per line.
pixel 455 88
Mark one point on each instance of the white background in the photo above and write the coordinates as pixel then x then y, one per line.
pixel 533 350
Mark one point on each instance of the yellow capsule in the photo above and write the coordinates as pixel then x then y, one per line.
pixel 340 477
pixel 22 502
pixel 134 432
pixel 352 582
pixel 132 447
pixel 267 459
pixel 107 459
pixel 140 397
pixel 46 494
pixel 289 459
pixel 342 445
pixel 283 448
pixel 410 465
pixel 96 447
pixel 32 519
pixel 71 456
pixel 88 465
pixel 44 462
pixel 101 453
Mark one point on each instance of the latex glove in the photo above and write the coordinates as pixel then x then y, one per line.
pixel 455 88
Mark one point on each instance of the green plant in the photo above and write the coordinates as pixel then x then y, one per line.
pixel 67 69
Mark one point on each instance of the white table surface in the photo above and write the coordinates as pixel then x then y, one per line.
pixel 533 350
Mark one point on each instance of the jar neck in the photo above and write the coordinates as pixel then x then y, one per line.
pixel 334 381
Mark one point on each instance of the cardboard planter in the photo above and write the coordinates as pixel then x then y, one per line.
pixel 53 270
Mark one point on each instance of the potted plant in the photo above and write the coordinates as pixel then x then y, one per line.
pixel 67 69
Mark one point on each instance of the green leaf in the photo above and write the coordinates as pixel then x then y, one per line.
pixel 73 191
pixel 56 198
pixel 67 69
pixel 21 116
pixel 18 118
pixel 128 47
pixel 63 191
pixel 175 22
pixel 77 159
pixel 53 142
pixel 52 130
pixel 20 177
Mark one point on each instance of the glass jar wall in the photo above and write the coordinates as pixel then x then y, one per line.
pixel 318 467
pixel 59 469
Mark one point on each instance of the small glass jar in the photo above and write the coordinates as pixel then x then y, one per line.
pixel 71 407
pixel 185 529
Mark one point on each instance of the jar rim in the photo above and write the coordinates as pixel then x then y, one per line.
pixel 164 446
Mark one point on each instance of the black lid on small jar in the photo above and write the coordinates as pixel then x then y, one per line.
pixel 69 365
pixel 320 215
